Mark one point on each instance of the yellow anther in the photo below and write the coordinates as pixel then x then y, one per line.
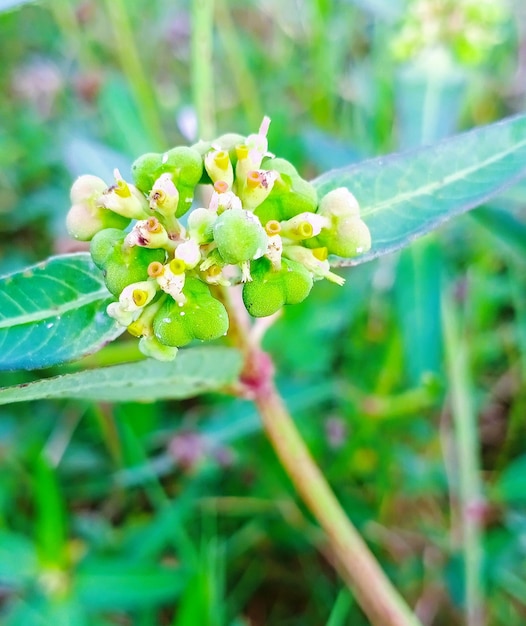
pixel 158 196
pixel 155 269
pixel 140 297
pixel 253 179
pixel 304 230
pixel 136 329
pixel 153 225
pixel 272 227
pixel 222 159
pixel 121 189
pixel 177 266
pixel 242 151
pixel 320 253
pixel 213 271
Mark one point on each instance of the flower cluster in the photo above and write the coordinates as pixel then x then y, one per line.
pixel 263 228
pixel 468 29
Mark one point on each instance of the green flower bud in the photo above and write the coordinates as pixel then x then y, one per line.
pixel 269 290
pixel 87 188
pixel 84 221
pixel 152 347
pixel 239 236
pixel 348 239
pixel 86 217
pixel 347 235
pixel 200 225
pixel 339 203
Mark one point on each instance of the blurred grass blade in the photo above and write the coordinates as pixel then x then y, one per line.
pixel 49 514
pixel 121 584
pixel 53 312
pixel 417 293
pixel 195 371
pixel 340 611
pixel 505 226
pixel 406 195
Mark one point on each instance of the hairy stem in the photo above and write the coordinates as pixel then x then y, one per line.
pixel 373 590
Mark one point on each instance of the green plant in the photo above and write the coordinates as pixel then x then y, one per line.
pixel 55 311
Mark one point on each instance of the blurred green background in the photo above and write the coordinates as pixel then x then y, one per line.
pixel 177 513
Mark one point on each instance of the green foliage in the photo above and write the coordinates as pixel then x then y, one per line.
pixel 51 312
pixel 127 496
pixel 194 373
pixel 404 196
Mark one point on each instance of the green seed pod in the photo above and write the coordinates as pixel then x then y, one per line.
pixel 183 163
pixel 104 243
pixel 201 317
pixel 146 170
pixel 270 290
pixel 239 236
pixel 282 166
pixel 121 265
pixel 170 325
pixel 297 281
pixel 186 165
pixel 207 319
pixel 186 197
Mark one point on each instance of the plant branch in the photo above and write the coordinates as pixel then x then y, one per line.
pixel 373 590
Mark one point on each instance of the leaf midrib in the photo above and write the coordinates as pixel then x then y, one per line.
pixel 45 314
pixel 441 183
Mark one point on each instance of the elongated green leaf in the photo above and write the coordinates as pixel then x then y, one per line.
pixel 122 584
pixel 403 196
pixel 53 312
pixel 195 371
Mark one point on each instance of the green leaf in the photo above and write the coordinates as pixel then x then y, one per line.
pixel 121 584
pixel 511 486
pixel 53 312
pixel 195 371
pixel 505 226
pixel 406 195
